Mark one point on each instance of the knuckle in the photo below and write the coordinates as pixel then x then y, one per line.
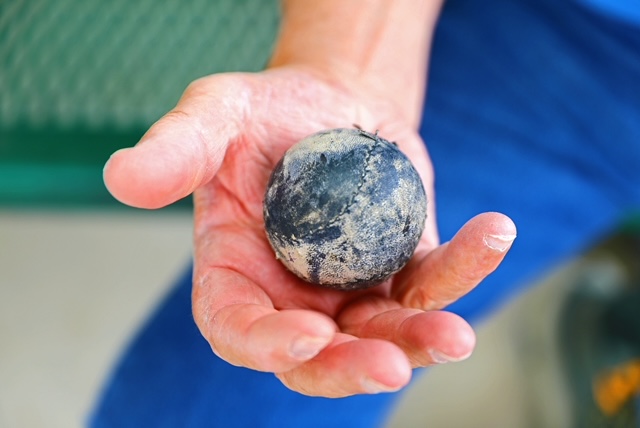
pixel 176 115
pixel 420 298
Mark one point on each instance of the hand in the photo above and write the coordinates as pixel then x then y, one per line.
pixel 222 141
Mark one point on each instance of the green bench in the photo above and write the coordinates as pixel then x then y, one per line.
pixel 79 80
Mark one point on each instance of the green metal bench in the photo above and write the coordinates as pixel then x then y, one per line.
pixel 81 79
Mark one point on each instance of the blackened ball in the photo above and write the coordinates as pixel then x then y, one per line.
pixel 344 209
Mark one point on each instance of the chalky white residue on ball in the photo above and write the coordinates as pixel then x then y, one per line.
pixel 344 209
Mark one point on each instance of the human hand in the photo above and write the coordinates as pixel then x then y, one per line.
pixel 222 141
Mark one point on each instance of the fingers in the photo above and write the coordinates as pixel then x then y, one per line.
pixel 182 150
pixel 242 327
pixel 427 338
pixel 447 273
pixel 351 366
pixel 303 347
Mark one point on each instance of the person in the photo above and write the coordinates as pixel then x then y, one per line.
pixel 531 112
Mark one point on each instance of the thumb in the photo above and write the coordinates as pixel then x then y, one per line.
pixel 181 151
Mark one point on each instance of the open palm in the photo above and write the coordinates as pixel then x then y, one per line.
pixel 221 142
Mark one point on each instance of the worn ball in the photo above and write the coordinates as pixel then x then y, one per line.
pixel 344 209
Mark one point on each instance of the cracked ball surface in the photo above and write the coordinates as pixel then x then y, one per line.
pixel 344 209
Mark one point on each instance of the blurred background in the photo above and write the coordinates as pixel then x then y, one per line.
pixel 79 272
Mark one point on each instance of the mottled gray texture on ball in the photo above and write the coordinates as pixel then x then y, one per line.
pixel 345 209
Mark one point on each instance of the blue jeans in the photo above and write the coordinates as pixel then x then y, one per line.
pixel 533 110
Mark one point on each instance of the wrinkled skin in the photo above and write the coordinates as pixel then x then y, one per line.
pixel 222 141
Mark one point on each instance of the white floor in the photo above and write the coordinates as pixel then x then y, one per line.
pixel 74 286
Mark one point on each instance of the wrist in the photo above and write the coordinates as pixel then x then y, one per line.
pixel 378 45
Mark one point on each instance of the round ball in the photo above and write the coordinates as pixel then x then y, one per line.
pixel 344 209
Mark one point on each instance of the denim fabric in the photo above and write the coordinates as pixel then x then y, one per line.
pixel 533 109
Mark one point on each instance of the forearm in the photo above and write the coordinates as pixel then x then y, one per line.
pixel 383 44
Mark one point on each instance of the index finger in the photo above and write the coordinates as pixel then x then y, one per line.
pixel 442 276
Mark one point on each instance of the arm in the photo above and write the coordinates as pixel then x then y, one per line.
pixel 383 44
pixel 337 62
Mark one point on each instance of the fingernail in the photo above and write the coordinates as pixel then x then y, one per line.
pixel 441 358
pixel 371 386
pixel 307 347
pixel 499 242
